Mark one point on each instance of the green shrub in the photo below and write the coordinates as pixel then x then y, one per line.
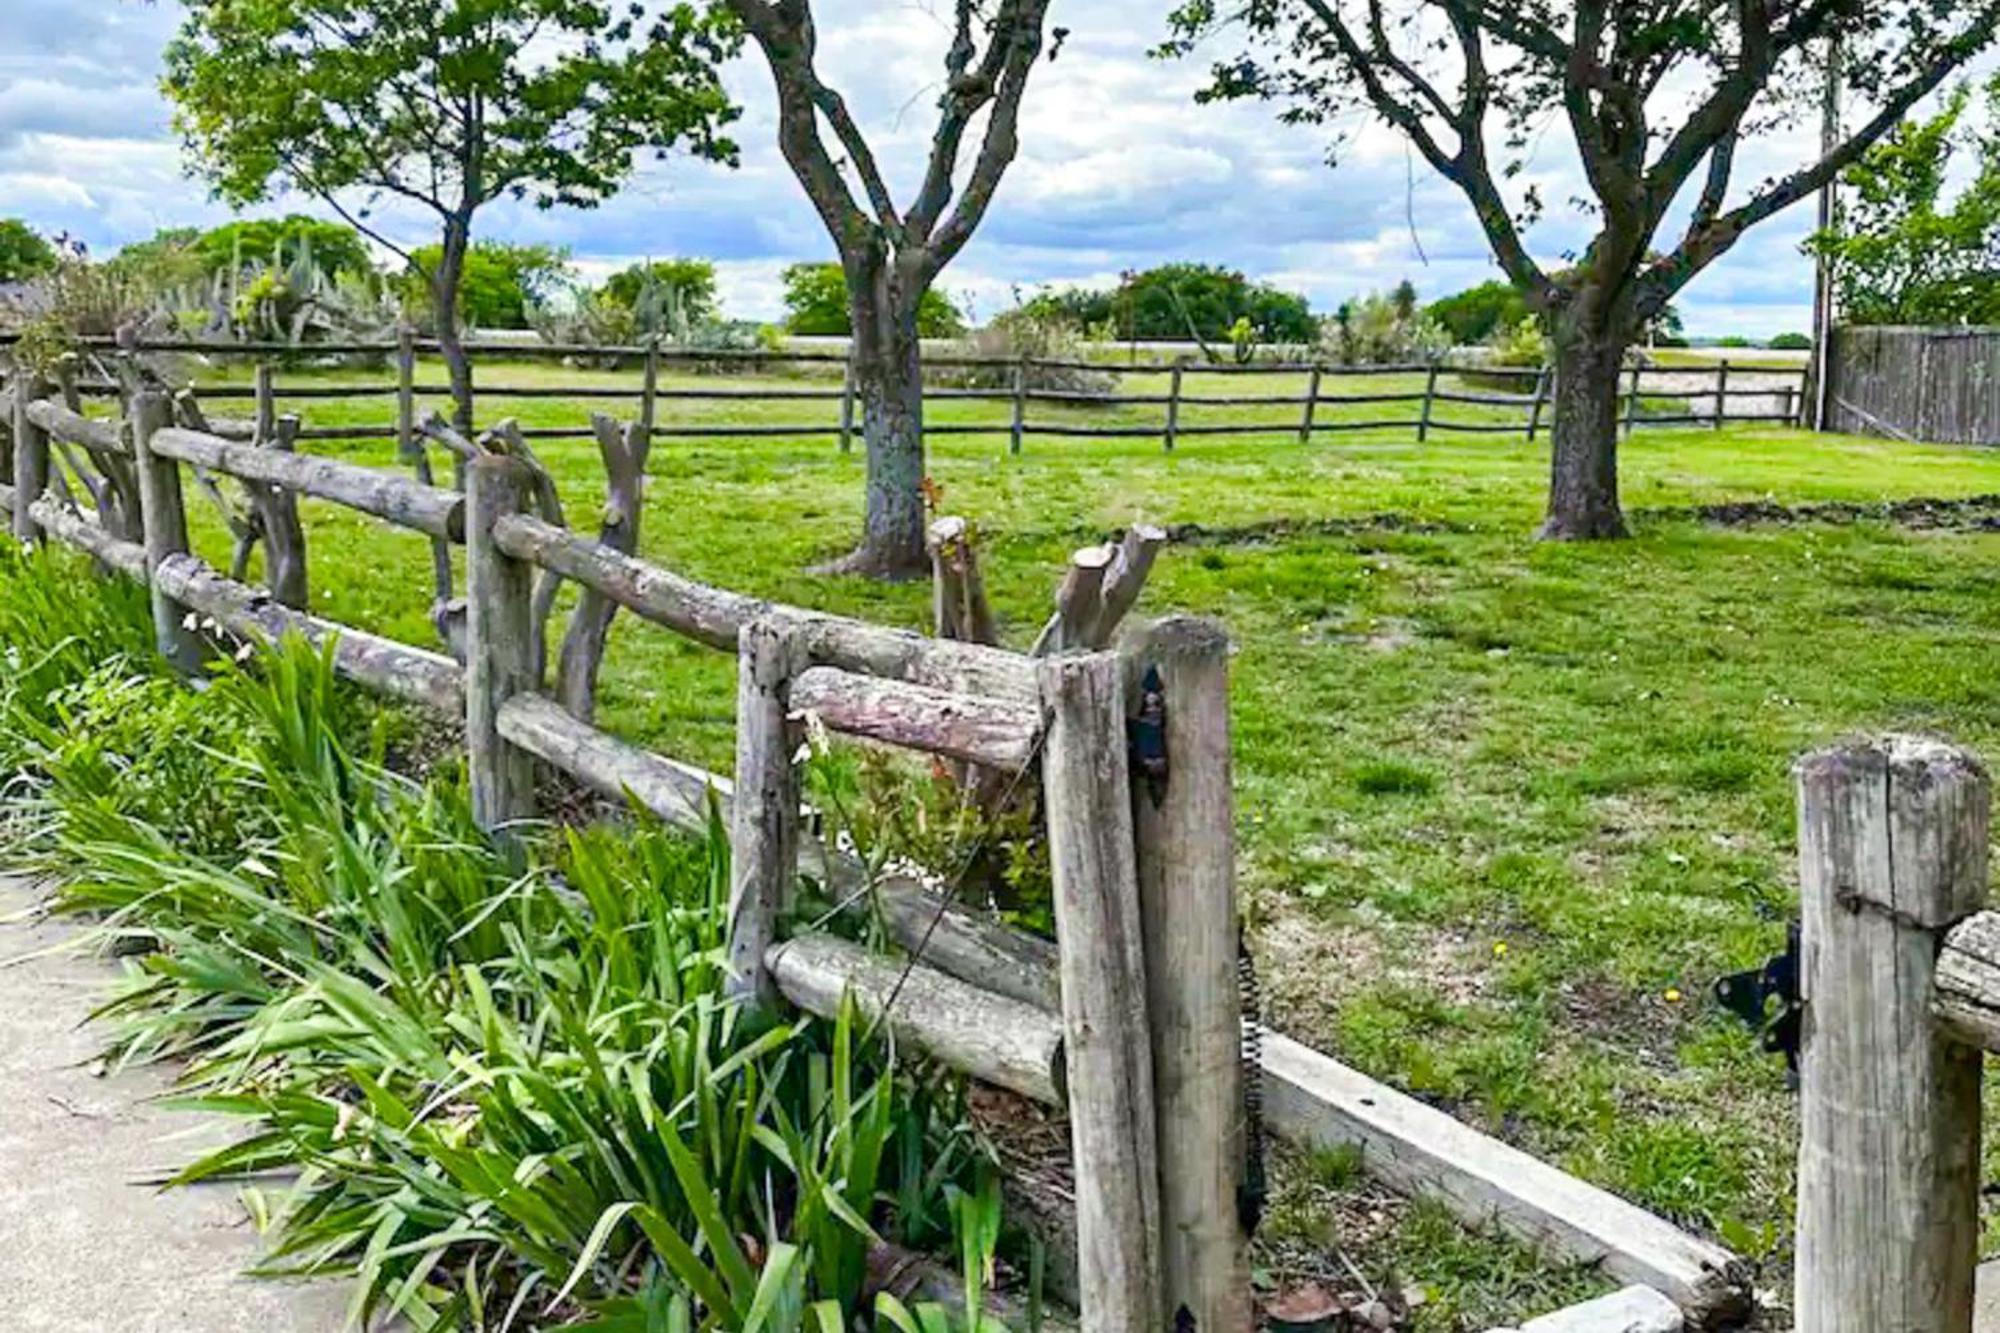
pixel 503 1075
pixel 1376 330
pixel 1026 333
pixel 816 305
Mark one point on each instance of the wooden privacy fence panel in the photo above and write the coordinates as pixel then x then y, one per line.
pixel 1907 383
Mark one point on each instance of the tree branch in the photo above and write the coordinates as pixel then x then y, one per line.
pixel 1017 33
pixel 1705 243
pixel 963 98
pixel 1466 168
pixel 785 35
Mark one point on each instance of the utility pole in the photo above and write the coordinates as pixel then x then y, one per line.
pixel 1829 140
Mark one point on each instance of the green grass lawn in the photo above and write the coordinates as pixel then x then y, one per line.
pixel 1506 808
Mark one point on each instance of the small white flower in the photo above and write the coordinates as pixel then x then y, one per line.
pixel 189 621
pixel 244 653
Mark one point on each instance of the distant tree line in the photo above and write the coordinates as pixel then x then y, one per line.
pixel 1182 301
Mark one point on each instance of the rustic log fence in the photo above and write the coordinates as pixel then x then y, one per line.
pixel 1649 396
pixel 1130 1020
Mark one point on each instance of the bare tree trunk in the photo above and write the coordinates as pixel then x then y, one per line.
pixel 1583 453
pixel 445 284
pixel 889 380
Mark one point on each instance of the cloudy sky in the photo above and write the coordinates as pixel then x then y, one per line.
pixel 1119 169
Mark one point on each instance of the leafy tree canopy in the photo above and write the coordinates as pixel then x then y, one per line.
pixel 689 282
pixel 1903 252
pixel 24 252
pixel 1472 315
pixel 1183 300
pixel 816 304
pixel 501 284
pixel 335 249
pixel 443 104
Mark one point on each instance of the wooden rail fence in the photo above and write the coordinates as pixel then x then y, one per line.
pixel 1677 394
pixel 1130 1019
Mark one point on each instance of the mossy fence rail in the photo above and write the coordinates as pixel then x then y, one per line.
pixel 1648 395
pixel 1130 1019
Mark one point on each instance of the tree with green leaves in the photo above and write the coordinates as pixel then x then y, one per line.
pixel 1185 300
pixel 443 106
pixel 24 252
pixel 684 286
pixel 1656 98
pixel 334 248
pixel 816 305
pixel 1471 316
pixel 500 283
pixel 1904 252
pixel 891 254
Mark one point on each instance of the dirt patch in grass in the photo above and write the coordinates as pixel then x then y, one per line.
pixel 1308 967
pixel 1274 530
pixel 1974 513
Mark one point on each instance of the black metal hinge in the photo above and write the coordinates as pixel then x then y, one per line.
pixel 1146 736
pixel 1748 995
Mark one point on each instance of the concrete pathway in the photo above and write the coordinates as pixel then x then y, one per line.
pixel 84 1243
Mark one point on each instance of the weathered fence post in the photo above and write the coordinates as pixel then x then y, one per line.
pixel 264 426
pixel 1185 831
pixel 163 516
pixel 1789 408
pixel 1721 392
pixel 284 535
pixel 847 406
pixel 1312 402
pixel 499 638
pixel 1631 402
pixel 1020 425
pixel 1535 409
pixel 1173 409
pixel 406 393
pixel 1101 962
pixel 649 390
pixel 1892 852
pixel 1430 393
pixel 31 456
pixel 764 835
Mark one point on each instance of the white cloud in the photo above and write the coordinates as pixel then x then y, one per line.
pixel 1118 169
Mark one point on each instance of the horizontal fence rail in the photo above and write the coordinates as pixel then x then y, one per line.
pixel 1649 395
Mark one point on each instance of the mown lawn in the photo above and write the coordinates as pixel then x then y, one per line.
pixel 1506 808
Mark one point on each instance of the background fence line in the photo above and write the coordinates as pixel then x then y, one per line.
pixel 1303 418
pixel 1909 383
